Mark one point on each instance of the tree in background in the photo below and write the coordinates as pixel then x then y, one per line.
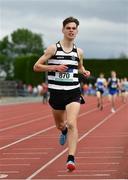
pixel 6 64
pixel 20 50
pixel 22 43
pixel 24 70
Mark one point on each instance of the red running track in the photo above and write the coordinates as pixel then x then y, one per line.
pixel 30 149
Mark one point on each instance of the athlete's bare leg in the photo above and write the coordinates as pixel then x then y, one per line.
pixel 59 117
pixel 112 100
pixel 99 100
pixel 72 111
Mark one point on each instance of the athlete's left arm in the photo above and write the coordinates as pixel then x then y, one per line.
pixel 105 82
pixel 118 83
pixel 81 67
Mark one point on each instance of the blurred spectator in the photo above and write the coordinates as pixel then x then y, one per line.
pixel 35 91
pixel 45 92
pixel 85 89
pixel 40 89
pixel 30 89
pixel 101 84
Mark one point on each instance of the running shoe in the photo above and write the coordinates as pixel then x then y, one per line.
pixel 113 110
pixel 63 138
pixel 82 101
pixel 98 105
pixel 70 166
pixel 101 107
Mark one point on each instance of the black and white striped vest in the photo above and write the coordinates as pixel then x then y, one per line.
pixel 64 80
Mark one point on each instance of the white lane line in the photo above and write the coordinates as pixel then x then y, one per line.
pixel 34 148
pixel 83 179
pixel 15 158
pixel 99 152
pixel 83 175
pixel 39 132
pixel 88 112
pixel 100 123
pixel 9 171
pixel 14 165
pixel 110 136
pixel 65 150
pixel 3 176
pixel 107 147
pixel 99 163
pixel 40 118
pixel 24 123
pixel 91 170
pixel 25 153
pixel 27 137
pixel 20 116
pixel 52 136
pixel 99 157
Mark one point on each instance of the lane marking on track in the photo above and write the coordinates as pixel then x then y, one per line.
pixel 34 148
pixel 65 150
pixel 91 170
pixel 107 147
pixel 86 175
pixel 99 163
pixel 9 172
pixel 39 132
pixel 14 164
pixel 3 176
pixel 24 123
pixel 27 137
pixel 99 157
pixel 24 153
pixel 40 118
pixel 20 116
pixel 99 152
pixel 84 179
pixel 29 114
pixel 17 158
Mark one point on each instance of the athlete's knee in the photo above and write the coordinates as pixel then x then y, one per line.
pixel 60 126
pixel 71 125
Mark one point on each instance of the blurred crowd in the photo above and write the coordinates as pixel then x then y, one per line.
pixel 29 90
pixel 113 87
pixel 86 88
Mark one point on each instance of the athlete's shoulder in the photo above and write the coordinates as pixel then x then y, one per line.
pixel 104 79
pixel 51 49
pixel 80 52
pixel 98 79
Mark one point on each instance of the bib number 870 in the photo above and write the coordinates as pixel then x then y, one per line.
pixel 64 75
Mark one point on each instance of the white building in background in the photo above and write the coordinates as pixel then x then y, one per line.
pixel 3 74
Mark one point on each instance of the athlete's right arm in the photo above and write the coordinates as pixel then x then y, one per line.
pixel 40 65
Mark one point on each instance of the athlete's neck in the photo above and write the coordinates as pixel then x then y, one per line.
pixel 67 45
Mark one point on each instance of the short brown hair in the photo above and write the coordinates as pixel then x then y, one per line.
pixel 69 20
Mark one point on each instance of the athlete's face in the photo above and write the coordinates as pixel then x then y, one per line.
pixel 101 75
pixel 113 74
pixel 70 30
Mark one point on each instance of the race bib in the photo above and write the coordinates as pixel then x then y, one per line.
pixel 64 76
pixel 114 85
